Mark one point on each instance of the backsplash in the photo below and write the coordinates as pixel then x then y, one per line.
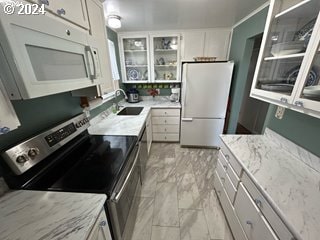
pixel 308 158
pixel 165 88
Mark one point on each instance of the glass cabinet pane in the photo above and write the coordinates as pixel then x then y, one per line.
pixel 165 58
pixel 136 59
pixel 311 88
pixel 285 47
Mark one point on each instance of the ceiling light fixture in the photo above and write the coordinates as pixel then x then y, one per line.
pixel 114 21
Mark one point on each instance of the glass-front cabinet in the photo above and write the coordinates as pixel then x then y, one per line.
pixel 165 58
pixel 135 59
pixel 288 68
pixel 158 63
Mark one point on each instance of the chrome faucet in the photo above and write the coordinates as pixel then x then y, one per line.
pixel 120 90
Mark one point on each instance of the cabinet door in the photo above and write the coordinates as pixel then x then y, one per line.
pixel 285 44
pixel 98 39
pixel 193 45
pixel 8 117
pixel 71 10
pixel 308 93
pixel 217 44
pixel 165 58
pixel 134 54
pixel 149 132
pixel 252 221
pixel 100 230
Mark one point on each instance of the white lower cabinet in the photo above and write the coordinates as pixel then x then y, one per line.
pixel 251 219
pixel 149 132
pixel 248 212
pixel 228 209
pixel 100 230
pixel 166 125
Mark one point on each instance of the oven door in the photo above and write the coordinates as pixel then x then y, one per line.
pixel 46 56
pixel 122 207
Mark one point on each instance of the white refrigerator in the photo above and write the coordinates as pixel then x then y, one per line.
pixel 205 92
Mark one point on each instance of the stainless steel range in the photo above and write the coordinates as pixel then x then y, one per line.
pixel 67 158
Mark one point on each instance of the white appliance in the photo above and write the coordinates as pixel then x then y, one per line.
pixel 205 91
pixel 40 56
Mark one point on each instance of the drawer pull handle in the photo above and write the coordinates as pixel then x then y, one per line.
pixel 227 156
pixel 298 103
pixel 165 121
pixel 249 223
pixel 45 2
pixel 103 223
pixel 223 179
pixel 284 100
pixel 225 167
pixel 165 129
pixel 219 193
pixel 165 112
pixel 258 202
pixel 61 11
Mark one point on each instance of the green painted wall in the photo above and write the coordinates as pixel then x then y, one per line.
pixel 240 52
pixel 38 114
pixel 300 128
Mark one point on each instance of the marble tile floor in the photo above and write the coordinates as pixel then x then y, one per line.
pixel 177 199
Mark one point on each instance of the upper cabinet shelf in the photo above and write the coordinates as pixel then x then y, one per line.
pixel 302 9
pixel 150 58
pixel 288 67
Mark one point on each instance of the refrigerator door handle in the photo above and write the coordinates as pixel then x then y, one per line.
pixel 186 119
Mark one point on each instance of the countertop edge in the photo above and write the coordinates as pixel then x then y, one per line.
pixel 266 195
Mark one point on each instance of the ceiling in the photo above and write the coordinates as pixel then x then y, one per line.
pixel 142 15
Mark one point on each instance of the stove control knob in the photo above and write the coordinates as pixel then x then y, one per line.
pixel 33 152
pixel 21 159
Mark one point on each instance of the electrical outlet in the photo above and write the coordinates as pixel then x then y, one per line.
pixel 158 90
pixel 280 112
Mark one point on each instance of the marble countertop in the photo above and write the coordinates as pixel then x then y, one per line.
pixel 108 123
pixel 48 215
pixel 288 176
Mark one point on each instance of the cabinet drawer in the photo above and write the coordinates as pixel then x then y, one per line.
pixel 166 128
pixel 221 171
pixel 223 160
pixel 166 112
pixel 233 176
pixel 165 120
pixel 251 219
pixel 276 223
pixel 230 189
pixel 228 168
pixel 232 218
pixel 231 159
pixel 217 184
pixel 165 137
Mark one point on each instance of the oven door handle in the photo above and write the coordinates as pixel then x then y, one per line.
pixel 126 181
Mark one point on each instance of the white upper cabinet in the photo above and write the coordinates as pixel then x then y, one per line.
pixel 206 43
pixel 71 10
pixel 8 117
pixel 134 55
pixel 288 67
pixel 98 40
pixel 165 58
pixel 193 45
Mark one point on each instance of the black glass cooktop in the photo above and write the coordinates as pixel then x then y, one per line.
pixel 94 165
